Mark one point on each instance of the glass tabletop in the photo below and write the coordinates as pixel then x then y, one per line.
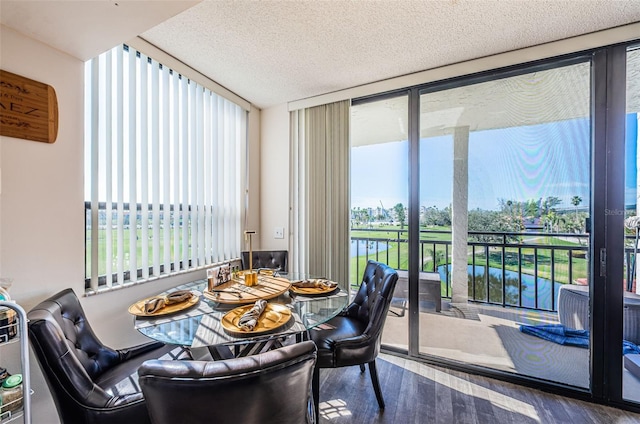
pixel 201 325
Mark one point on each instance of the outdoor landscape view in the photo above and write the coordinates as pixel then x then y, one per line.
pixel 528 209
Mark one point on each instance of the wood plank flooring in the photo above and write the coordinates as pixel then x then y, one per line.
pixel 420 393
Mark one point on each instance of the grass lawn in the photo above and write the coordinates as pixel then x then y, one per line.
pixel 102 249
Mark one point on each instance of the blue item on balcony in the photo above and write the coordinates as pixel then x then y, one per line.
pixel 558 333
pixel 628 347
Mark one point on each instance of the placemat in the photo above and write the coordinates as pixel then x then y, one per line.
pixel 202 308
pixel 211 333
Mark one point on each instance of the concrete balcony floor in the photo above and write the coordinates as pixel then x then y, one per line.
pixel 489 336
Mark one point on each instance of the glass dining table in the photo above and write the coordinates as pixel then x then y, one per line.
pixel 201 325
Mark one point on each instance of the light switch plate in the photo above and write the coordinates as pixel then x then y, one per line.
pixel 278 233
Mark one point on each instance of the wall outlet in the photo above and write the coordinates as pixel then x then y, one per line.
pixel 278 233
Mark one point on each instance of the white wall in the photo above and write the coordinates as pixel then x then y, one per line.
pixel 42 211
pixel 252 221
pixel 42 214
pixel 274 177
pixel 42 243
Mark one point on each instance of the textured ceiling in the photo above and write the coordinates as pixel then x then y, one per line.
pixel 84 29
pixel 272 52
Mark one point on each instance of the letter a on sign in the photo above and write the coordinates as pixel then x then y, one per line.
pixel 28 109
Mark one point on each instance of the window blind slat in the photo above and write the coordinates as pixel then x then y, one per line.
pixel 193 195
pixel 108 109
pixel 186 225
pixel 155 168
pixel 119 118
pixel 176 101
pixel 219 177
pixel 233 173
pixel 94 131
pixel 228 130
pixel 240 191
pixel 227 161
pixel 144 164
pixel 131 143
pixel 199 165
pixel 217 180
pixel 207 187
pixel 166 175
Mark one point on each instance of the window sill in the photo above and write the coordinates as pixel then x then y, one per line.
pixel 180 277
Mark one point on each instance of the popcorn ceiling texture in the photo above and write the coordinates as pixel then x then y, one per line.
pixel 272 52
pixel 275 51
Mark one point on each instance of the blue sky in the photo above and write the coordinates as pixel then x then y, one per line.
pixel 518 163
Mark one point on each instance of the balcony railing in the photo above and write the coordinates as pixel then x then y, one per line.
pixel 523 270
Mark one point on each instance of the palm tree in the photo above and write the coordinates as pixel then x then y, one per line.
pixel 399 210
pixel 575 201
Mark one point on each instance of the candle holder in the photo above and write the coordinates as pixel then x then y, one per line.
pixel 251 276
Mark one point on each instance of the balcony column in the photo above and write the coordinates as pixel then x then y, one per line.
pixel 460 215
pixel 636 272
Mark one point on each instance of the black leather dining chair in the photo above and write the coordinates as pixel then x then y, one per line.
pixel 90 382
pixel 353 336
pixel 273 259
pixel 273 387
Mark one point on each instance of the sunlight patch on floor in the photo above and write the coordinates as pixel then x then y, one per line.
pixel 466 387
pixel 624 420
pixel 334 408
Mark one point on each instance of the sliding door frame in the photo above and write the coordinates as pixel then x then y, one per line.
pixel 608 210
pixel 608 110
pixel 414 221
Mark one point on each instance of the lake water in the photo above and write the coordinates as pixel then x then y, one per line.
pixel 528 285
pixel 360 246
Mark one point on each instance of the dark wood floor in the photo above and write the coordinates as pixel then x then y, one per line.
pixel 419 393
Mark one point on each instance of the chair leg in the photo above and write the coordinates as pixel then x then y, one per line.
pixel 376 383
pixel 315 390
pixel 361 368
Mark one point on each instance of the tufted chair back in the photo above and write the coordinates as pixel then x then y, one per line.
pixel 90 382
pixel 273 259
pixel 268 388
pixel 371 303
pixel 376 281
pixel 79 336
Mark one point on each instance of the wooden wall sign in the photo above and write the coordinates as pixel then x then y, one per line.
pixel 28 108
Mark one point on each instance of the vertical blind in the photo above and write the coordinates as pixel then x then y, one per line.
pixel 319 193
pixel 163 171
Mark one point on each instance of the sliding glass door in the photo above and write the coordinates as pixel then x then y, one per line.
pixel 379 200
pixel 501 199
pixel 504 198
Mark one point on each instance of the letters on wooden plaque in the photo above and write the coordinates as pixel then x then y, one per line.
pixel 28 109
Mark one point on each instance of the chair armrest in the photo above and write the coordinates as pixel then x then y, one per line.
pixel 352 342
pixel 355 350
pixel 132 352
pixel 125 400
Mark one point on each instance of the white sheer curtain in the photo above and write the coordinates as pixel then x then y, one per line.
pixel 319 195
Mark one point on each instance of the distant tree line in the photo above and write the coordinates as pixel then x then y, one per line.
pixel 540 214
